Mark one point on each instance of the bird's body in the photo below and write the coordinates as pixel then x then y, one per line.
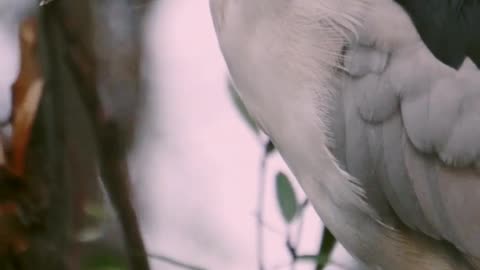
pixel 383 137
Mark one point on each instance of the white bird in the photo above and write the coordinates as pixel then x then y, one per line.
pixel 367 104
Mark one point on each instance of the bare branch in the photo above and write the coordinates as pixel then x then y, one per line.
pixel 84 38
pixel 175 262
pixel 260 208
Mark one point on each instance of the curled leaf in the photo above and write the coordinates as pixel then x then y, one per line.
pixel 27 92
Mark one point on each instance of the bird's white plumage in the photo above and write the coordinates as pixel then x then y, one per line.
pixel 284 57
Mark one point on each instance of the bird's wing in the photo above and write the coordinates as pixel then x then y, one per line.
pixel 408 127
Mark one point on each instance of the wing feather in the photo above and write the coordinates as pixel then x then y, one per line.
pixel 411 135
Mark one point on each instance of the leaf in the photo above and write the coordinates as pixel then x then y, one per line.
pixel 314 258
pixel 95 210
pixel 326 248
pixel 89 234
pixel 105 261
pixel 269 147
pixel 286 197
pixel 26 94
pixel 241 107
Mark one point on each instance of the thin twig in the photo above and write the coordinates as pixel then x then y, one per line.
pixel 268 227
pixel 300 228
pixel 83 61
pixel 174 262
pixel 292 249
pixel 260 210
pixel 301 218
pixel 330 262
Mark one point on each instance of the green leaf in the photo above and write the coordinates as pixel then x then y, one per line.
pixel 89 234
pixel 95 210
pixel 326 248
pixel 314 258
pixel 241 107
pixel 286 198
pixel 105 261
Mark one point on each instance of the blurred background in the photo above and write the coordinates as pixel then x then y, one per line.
pixel 197 166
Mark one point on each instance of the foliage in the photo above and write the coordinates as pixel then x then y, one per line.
pixel 286 198
pixel 105 262
pixel 287 201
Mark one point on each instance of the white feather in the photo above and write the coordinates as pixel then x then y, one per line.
pixel 283 56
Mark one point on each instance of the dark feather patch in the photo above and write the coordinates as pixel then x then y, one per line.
pixel 449 28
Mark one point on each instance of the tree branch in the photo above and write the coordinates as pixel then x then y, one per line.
pixel 175 262
pixel 98 43
pixel 260 207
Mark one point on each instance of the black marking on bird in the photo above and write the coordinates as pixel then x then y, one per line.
pixel 449 28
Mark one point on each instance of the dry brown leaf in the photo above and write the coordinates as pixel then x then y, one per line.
pixel 27 92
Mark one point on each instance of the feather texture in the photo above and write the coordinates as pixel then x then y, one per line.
pixel 341 88
pixel 423 118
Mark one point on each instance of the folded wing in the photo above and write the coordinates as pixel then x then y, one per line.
pixel 408 127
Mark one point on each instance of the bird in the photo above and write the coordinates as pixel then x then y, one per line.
pixel 375 107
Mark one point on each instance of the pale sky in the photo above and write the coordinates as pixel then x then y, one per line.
pixel 207 168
